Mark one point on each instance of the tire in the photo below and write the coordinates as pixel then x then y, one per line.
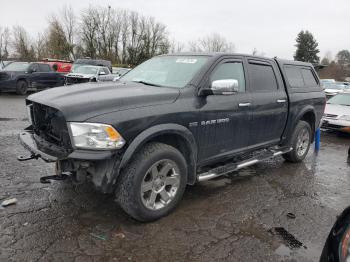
pixel 21 87
pixel 145 178
pixel 300 147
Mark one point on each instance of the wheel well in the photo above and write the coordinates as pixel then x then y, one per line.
pixel 310 118
pixel 178 142
pixel 21 79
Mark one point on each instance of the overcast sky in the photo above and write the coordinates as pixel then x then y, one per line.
pixel 270 26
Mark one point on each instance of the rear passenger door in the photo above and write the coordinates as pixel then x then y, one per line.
pixel 269 102
pixel 50 77
pixel 45 76
pixel 35 79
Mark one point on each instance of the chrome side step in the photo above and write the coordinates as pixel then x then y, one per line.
pixel 231 167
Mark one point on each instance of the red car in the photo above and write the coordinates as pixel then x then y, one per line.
pixel 60 66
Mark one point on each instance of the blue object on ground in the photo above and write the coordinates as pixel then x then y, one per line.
pixel 317 139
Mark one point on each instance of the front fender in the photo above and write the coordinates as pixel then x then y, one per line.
pixel 158 130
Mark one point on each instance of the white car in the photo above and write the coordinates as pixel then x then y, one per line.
pixel 337 113
pixel 89 73
pixel 332 89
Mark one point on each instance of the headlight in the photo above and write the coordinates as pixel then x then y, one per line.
pixel 95 136
pixel 345 117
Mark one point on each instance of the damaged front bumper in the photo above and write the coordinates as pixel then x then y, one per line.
pixel 101 167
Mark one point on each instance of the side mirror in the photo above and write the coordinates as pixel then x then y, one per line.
pixel 224 87
pixel 102 73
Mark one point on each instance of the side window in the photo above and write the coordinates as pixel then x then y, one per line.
pixel 263 78
pixel 34 67
pixel 44 68
pixel 294 76
pixel 105 70
pixel 230 70
pixel 309 78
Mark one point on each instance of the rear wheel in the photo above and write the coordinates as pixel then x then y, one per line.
pixel 300 143
pixel 21 87
pixel 153 183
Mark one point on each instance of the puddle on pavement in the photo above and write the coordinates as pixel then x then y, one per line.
pixel 279 239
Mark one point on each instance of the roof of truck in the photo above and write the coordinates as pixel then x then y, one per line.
pixel 218 54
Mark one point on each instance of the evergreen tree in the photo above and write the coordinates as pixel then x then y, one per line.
pixel 306 48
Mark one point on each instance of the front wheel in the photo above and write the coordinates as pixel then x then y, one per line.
pixel 21 87
pixel 300 143
pixel 152 185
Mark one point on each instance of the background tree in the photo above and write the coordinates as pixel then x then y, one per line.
pixel 89 27
pixel 69 27
pixel 41 46
pixel 4 42
pixel 306 48
pixel 57 44
pixel 325 61
pixel 211 43
pixel 343 57
pixel 23 47
pixel 334 71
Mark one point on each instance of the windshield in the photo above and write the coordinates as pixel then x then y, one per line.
pixel 341 99
pixel 85 70
pixel 170 71
pixel 17 66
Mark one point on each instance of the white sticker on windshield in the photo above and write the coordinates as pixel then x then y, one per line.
pixel 186 60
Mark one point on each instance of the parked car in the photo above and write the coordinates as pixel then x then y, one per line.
pixel 87 73
pixel 60 66
pixel 21 76
pixel 337 113
pixel 332 89
pixel 95 62
pixel 173 121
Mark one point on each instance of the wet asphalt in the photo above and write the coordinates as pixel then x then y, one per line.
pixel 232 218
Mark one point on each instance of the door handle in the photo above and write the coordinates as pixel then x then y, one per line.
pixel 281 100
pixel 244 104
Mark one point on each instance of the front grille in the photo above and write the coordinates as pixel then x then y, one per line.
pixel 50 125
pixel 330 116
pixel 4 76
pixel 331 126
pixel 76 80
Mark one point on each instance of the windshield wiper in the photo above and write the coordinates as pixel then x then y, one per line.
pixel 147 83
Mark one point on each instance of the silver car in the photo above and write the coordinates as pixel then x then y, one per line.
pixel 89 73
pixel 337 113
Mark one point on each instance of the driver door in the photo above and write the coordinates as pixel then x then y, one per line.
pixel 225 119
pixel 35 79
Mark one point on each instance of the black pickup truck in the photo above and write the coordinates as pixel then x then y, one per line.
pixel 173 121
pixel 21 76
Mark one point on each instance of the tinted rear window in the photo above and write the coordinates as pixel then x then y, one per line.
pixel 44 68
pixel 263 78
pixel 309 78
pixel 300 77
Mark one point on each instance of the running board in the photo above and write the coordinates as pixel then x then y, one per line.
pixel 231 167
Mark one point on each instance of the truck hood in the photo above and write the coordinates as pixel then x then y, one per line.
pixel 83 101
